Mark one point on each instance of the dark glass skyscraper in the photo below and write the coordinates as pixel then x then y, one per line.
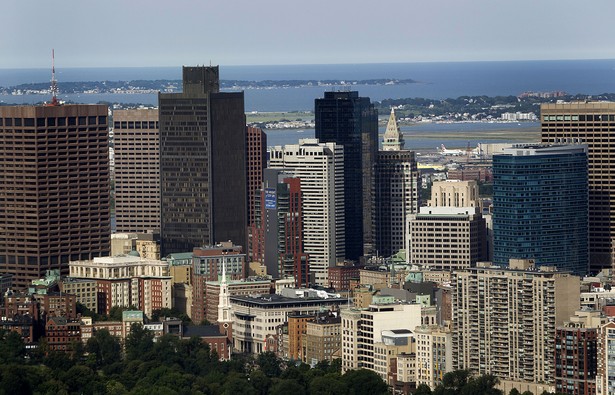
pixel 345 118
pixel 203 192
pixel 540 208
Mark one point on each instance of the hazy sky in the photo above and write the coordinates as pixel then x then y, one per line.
pixel 241 32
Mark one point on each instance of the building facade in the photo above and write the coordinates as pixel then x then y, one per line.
pixel 540 206
pixel 363 328
pixel 485 332
pixel 397 185
pixel 319 166
pixel 592 124
pixel 257 319
pixel 203 185
pixel 276 235
pixel 351 121
pixel 137 170
pixel 447 238
pixel 256 162
pixel 54 188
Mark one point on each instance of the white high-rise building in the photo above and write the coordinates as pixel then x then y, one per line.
pixel 320 166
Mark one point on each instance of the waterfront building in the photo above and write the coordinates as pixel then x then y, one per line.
pixel 276 236
pixel 592 124
pixel 320 167
pixel 540 206
pixel 363 328
pixel 54 188
pixel 137 170
pixel 485 331
pixel 447 238
pixel 256 319
pixel 397 186
pixel 351 121
pixel 203 182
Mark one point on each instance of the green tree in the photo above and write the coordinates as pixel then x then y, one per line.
pixel 514 391
pixel 422 389
pixel 287 386
pixel 104 347
pixel 269 364
pixel 363 381
pixel 12 347
pixel 328 385
pixel 484 385
pixel 139 343
pixel 453 382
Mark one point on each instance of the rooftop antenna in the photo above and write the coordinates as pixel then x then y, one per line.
pixel 54 83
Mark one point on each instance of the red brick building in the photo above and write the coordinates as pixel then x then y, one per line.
pixel 62 333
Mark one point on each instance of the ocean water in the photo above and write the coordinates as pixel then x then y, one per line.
pixel 435 80
pixel 429 136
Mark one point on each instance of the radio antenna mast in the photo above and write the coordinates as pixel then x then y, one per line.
pixel 54 83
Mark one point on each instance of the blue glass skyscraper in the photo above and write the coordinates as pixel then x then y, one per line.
pixel 540 206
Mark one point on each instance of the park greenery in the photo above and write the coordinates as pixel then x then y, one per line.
pixel 171 365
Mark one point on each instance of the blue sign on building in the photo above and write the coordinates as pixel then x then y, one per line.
pixel 270 199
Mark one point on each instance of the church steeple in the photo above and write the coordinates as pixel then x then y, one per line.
pixel 225 312
pixel 393 137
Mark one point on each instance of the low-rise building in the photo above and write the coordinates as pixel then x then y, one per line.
pixel 362 328
pixel 85 290
pixel 323 338
pixel 434 354
pixel 257 318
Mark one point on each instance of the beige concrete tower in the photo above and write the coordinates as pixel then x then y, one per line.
pixel 393 137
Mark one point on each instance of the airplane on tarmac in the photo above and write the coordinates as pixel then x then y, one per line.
pixel 446 152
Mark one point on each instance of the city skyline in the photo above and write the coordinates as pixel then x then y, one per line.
pixel 275 32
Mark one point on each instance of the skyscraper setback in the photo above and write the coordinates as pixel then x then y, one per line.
pixel 202 163
pixel 351 121
pixel 54 188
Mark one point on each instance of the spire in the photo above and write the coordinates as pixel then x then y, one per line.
pixel 54 83
pixel 224 302
pixel 393 137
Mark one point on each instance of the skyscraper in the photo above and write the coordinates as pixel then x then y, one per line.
pixel 137 170
pixel 320 167
pixel 351 121
pixel 202 164
pixel 397 183
pixel 54 188
pixel 540 208
pixel 276 235
pixel 593 124
pixel 504 320
pixel 256 145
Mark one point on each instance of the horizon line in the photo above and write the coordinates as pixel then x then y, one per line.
pixel 320 64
